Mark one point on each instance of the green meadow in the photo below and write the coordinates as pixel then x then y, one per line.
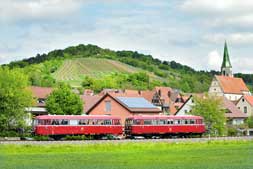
pixel 208 155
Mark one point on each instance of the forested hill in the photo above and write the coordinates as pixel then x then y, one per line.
pixel 43 69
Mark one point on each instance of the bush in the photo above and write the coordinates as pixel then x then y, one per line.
pixel 9 134
pixel 236 130
pixel 41 138
pixel 232 131
pixel 78 137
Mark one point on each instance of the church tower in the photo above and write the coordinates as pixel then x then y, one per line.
pixel 226 67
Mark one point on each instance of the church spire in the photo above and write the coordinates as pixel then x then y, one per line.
pixel 226 67
pixel 226 61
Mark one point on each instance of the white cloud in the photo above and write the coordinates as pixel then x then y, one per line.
pixel 235 38
pixel 218 6
pixel 221 12
pixel 214 60
pixel 13 10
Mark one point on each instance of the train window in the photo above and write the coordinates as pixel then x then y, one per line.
pixel 187 121
pixel 162 122
pixel 64 122
pixel 73 122
pixel 116 122
pixel 192 121
pixel 199 121
pixel 99 122
pixel 147 122
pixel 83 122
pixel 40 122
pixel 55 122
pixel 137 122
pixel 177 122
pixel 170 121
pixel 108 122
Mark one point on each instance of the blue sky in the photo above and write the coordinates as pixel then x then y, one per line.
pixel 191 32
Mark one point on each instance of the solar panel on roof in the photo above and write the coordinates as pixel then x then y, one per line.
pixel 136 102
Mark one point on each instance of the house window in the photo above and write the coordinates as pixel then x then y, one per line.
pixel 185 111
pixel 169 93
pixel 243 100
pixel 245 109
pixel 107 106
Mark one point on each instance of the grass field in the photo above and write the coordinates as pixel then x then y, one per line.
pixel 211 155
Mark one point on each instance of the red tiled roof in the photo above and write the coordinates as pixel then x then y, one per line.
pixel 173 110
pixel 148 95
pixel 119 92
pixel 164 93
pixel 89 101
pixel 185 98
pixel 249 99
pixel 232 84
pixel 41 92
pixel 233 111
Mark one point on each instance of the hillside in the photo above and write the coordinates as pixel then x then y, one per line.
pixel 75 69
pixel 74 64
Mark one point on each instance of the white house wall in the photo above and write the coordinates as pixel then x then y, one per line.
pixel 233 97
pixel 243 103
pixel 187 107
pixel 215 88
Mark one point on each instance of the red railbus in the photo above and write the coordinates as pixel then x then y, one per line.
pixel 161 125
pixel 61 125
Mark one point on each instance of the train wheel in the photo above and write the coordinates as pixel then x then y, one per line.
pixel 57 137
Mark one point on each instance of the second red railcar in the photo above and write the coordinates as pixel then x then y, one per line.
pixel 164 125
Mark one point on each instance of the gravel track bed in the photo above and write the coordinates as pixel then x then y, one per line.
pixel 178 140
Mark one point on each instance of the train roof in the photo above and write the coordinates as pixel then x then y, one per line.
pixel 164 117
pixel 76 117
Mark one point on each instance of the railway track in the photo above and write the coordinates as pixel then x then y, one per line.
pixel 176 140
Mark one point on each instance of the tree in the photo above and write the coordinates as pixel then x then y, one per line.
pixel 63 101
pixel 88 82
pixel 14 98
pixel 211 109
pixel 250 122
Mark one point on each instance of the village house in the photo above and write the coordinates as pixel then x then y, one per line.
pixel 122 106
pixel 167 99
pixel 186 108
pixel 245 104
pixel 226 84
pixel 39 94
pixel 233 115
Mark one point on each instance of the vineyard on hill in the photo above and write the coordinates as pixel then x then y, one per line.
pixel 76 69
